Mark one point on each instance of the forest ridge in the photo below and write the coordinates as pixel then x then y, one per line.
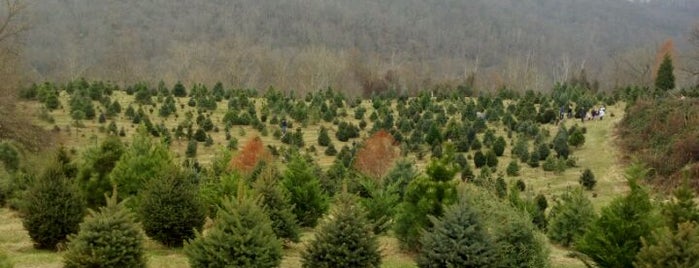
pixel 305 45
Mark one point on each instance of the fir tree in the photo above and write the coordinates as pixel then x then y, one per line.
pixel 323 137
pixel 587 179
pixel 569 217
pixel 52 207
pixel 242 236
pixel 108 238
pixel 170 209
pixel 682 207
pixel 345 239
pixel 458 239
pixel 276 202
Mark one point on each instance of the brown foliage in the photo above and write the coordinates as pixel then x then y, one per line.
pixel 664 134
pixel 249 156
pixel 377 155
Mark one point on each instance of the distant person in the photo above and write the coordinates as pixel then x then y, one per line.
pixel 283 126
pixel 602 112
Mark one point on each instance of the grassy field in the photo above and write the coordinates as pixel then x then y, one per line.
pixel 599 153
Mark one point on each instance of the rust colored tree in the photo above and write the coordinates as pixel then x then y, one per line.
pixel 667 48
pixel 377 155
pixel 249 156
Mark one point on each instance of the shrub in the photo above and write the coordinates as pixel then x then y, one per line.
pixel 614 238
pixel 277 204
pixel 108 238
pixel 170 209
pixel 666 248
pixel 458 239
pixel 52 208
pixel 304 188
pixel 569 217
pixel 345 239
pixel 587 179
pixel 242 236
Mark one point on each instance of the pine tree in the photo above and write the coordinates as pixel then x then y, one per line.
pixel 108 238
pixel 170 209
pixel 513 168
pixel 667 248
pixel 576 138
pixel 242 236
pixel 499 146
pixel 93 174
pixel 426 195
pixel 665 79
pixel 323 137
pixel 276 202
pixel 614 238
pixel 304 189
pixel 458 239
pixel 682 207
pixel 52 207
pixel 569 217
pixel 345 239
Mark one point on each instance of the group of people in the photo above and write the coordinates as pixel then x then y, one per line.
pixel 582 113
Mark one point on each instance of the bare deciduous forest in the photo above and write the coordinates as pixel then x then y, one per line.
pixel 304 45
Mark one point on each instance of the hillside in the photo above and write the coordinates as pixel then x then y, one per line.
pixel 349 45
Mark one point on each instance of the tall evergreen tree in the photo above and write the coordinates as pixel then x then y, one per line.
pixel 667 248
pixel 569 217
pixel 665 78
pixel 276 202
pixel 309 200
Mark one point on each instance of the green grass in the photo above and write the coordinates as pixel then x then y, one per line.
pixel 599 153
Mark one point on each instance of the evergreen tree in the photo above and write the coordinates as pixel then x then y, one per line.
pixel 143 160
pixel 52 207
pixel 614 238
pixel 665 79
pixel 242 236
pixel 276 202
pixel 587 179
pixel 491 159
pixel 304 189
pixel 667 248
pixel 560 143
pixel 93 174
pixel 576 138
pixel 569 217
pixel 513 168
pixel 170 209
pixel 179 90
pixel 426 195
pixel 108 238
pixel 345 239
pixel 682 207
pixel 323 137
pixel 458 239
pixel 499 146
pixel 479 159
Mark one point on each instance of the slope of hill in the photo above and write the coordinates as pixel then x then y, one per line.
pixel 310 44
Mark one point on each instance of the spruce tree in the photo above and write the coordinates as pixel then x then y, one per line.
pixel 458 239
pixel 242 236
pixel 344 239
pixel 665 79
pixel 587 179
pixel 52 207
pixel 108 238
pixel 170 209
pixel 569 217
pixel 323 137
pixel 276 202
